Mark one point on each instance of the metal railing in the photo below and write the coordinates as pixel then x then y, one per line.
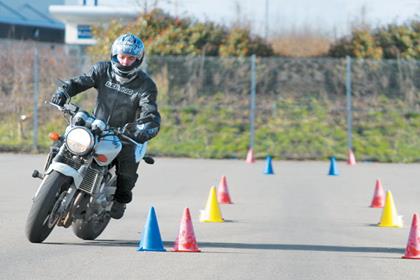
pixel 286 107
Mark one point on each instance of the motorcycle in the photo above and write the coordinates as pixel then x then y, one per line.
pixel 78 181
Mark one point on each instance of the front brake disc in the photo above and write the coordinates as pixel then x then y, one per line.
pixel 55 215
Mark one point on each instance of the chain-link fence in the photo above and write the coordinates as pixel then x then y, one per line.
pixel 304 108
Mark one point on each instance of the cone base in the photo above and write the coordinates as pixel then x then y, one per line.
pixel 411 258
pixel 398 224
pixel 204 218
pixel 391 226
pixel 225 202
pixel 186 251
pixel 150 250
pixel 376 206
pixel 208 221
pixel 224 198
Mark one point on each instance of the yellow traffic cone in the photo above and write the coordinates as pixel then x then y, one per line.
pixel 390 217
pixel 212 212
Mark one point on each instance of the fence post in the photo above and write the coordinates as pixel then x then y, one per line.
pixel 349 103
pixel 36 97
pixel 252 103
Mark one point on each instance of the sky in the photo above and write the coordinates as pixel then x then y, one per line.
pixel 334 17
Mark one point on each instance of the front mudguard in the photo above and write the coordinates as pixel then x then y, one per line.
pixel 67 171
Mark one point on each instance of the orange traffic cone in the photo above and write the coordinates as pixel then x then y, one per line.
pixel 378 200
pixel 413 245
pixel 223 196
pixel 250 156
pixel 185 242
pixel 351 160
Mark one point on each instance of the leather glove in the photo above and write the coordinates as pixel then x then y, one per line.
pixel 59 98
pixel 140 132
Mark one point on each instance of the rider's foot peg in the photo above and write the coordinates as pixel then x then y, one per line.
pixel 37 174
pixel 148 160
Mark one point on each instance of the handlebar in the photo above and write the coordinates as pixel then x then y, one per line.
pixel 72 109
pixel 69 108
pixel 119 132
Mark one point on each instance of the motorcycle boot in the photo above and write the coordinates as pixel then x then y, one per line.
pixel 117 210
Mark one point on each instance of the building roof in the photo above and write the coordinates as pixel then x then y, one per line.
pixel 93 14
pixel 32 13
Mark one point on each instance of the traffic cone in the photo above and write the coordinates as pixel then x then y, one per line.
pixel 351 160
pixel 150 237
pixel 412 251
pixel 250 156
pixel 378 200
pixel 185 242
pixel 268 166
pixel 390 217
pixel 212 212
pixel 333 168
pixel 223 196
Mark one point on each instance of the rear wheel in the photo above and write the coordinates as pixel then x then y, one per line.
pixel 38 222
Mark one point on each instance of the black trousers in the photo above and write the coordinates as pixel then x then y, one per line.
pixel 126 170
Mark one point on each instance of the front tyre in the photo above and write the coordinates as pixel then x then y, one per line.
pixel 90 230
pixel 37 223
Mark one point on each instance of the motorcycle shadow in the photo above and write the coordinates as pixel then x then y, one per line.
pixel 99 243
pixel 107 243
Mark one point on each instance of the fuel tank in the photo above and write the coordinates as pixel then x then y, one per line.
pixel 107 149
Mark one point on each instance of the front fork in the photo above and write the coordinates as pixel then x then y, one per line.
pixel 54 149
pixel 61 213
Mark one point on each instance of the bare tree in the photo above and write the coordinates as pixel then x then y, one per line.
pixel 240 19
pixel 148 5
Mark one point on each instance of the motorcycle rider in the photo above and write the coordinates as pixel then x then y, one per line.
pixel 126 98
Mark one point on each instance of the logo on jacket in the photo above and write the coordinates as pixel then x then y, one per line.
pixel 119 88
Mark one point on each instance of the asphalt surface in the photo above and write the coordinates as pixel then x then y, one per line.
pixel 296 224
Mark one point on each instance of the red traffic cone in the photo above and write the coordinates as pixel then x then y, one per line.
pixel 223 196
pixel 250 156
pixel 351 160
pixel 412 251
pixel 185 242
pixel 378 200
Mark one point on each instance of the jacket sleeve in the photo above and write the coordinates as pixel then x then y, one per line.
pixel 149 114
pixel 83 82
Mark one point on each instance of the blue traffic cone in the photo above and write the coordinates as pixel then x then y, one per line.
pixel 150 237
pixel 268 166
pixel 333 167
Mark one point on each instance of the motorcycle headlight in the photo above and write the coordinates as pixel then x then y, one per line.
pixel 79 140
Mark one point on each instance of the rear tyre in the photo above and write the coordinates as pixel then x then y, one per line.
pixel 37 226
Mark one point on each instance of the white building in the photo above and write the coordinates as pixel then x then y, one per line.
pixel 80 15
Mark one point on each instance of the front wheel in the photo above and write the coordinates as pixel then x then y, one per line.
pixel 38 224
pixel 90 225
pixel 90 230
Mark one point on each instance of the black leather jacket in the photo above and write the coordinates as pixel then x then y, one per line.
pixel 118 104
